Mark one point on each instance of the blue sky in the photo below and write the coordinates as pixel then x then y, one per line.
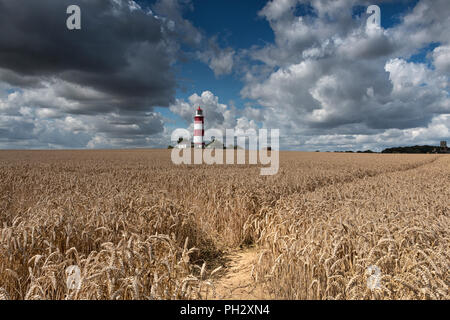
pixel 312 69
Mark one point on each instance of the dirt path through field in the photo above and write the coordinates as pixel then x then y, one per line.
pixel 236 281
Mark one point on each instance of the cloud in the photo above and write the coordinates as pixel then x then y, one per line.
pixel 428 22
pixel 47 126
pixel 274 10
pixel 436 130
pixel 327 78
pixel 441 58
pixel 172 11
pixel 120 51
pixel 106 77
pixel 220 60
pixel 217 115
pixel 325 81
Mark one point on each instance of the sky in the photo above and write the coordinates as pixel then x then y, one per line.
pixel 319 71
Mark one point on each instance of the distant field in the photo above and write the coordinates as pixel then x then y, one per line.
pixel 139 227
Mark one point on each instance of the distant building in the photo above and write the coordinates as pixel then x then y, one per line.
pixel 444 146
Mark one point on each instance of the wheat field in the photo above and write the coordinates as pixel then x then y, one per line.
pixel 139 227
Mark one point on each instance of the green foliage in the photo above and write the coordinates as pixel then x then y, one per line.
pixel 412 149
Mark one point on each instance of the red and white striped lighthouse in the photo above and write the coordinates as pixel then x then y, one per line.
pixel 199 132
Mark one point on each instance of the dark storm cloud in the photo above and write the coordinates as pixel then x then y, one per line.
pixel 95 87
pixel 117 126
pixel 17 80
pixel 120 52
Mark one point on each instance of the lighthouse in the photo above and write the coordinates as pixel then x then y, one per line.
pixel 199 131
